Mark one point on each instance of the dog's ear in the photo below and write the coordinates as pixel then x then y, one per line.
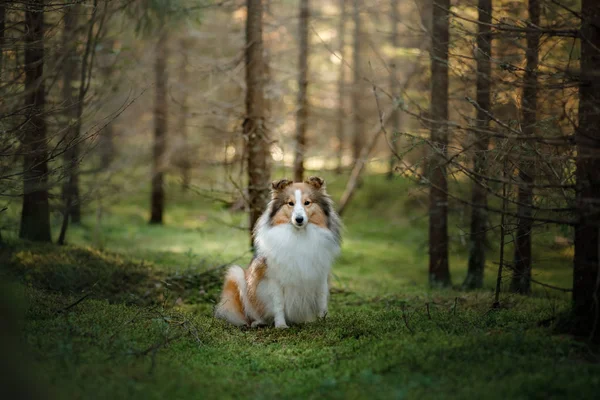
pixel 280 184
pixel 315 182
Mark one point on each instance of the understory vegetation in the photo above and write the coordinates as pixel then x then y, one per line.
pixel 125 311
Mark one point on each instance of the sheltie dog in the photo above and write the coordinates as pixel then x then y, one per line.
pixel 296 240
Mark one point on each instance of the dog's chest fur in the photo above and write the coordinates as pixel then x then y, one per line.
pixel 297 257
pixel 299 260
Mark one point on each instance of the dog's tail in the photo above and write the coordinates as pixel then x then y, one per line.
pixel 231 307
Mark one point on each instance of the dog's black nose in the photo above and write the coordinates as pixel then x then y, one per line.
pixel 299 220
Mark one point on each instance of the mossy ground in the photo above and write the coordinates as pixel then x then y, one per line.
pixel 124 311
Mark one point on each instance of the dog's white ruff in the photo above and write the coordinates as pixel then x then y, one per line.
pixel 298 264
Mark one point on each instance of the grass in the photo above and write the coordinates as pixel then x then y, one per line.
pixel 124 311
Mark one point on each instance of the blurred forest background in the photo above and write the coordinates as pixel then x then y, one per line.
pixel 459 139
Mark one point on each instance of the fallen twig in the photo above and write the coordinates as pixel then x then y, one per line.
pixel 74 304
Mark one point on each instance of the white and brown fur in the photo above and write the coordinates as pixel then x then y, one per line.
pixel 297 239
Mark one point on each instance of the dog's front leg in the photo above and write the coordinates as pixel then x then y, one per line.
pixel 323 297
pixel 278 306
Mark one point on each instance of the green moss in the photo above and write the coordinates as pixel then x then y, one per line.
pixel 367 347
pixel 146 331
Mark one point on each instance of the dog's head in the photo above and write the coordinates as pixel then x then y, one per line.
pixel 299 203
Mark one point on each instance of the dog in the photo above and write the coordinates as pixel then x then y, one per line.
pixel 296 240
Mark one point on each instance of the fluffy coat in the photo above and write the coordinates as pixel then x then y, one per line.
pixel 297 240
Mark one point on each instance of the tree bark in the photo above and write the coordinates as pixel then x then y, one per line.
pixel 70 189
pixel 2 34
pixel 439 273
pixel 357 139
pixel 302 111
pixel 35 215
pixel 2 29
pixel 479 217
pixel 394 88
pixel 521 279
pixel 256 134
pixel 160 130
pixel 586 279
pixel 341 117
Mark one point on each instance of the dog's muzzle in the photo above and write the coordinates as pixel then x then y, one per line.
pixel 299 221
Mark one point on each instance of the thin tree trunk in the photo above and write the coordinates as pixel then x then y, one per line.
pixel 35 215
pixel 394 88
pixel 439 273
pixel 302 111
pixel 160 130
pixel 2 34
pixel 106 145
pixel 496 303
pixel 2 28
pixel 357 94
pixel 477 237
pixel 256 134
pixel 586 276
pixel 359 165
pixel 184 163
pixel 521 280
pixel 341 119
pixel 70 189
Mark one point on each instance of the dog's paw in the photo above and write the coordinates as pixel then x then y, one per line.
pixel 281 325
pixel 322 314
pixel 256 324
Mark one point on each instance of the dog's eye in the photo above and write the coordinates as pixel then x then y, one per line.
pixel 291 203
pixel 306 203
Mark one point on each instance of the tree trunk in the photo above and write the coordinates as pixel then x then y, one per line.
pixel 477 241
pixel 439 273
pixel 586 279
pixel 106 144
pixel 35 215
pixel 341 120
pixel 521 279
pixel 302 111
pixel 394 88
pixel 160 130
pixel 357 93
pixel 256 134
pixel 70 189
pixel 2 29
pixel 184 154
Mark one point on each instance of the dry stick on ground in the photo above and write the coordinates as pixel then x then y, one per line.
pixel 67 308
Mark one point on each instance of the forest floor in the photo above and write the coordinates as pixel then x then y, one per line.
pixel 125 311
